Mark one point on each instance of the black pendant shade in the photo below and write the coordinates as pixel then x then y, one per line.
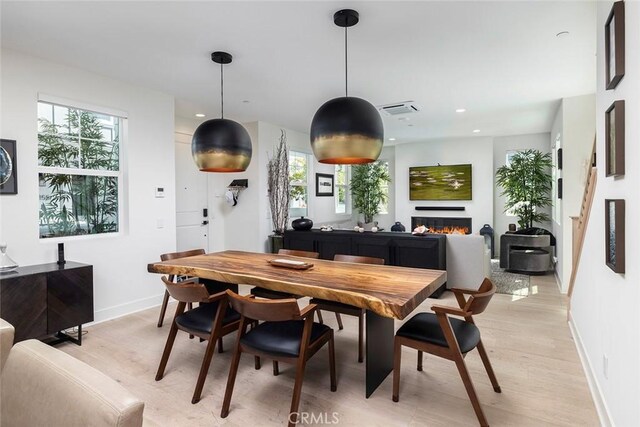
pixel 347 130
pixel 221 145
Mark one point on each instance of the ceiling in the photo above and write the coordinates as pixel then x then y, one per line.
pixel 501 61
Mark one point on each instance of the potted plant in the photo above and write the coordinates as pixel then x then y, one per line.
pixel 526 183
pixel 278 185
pixel 367 191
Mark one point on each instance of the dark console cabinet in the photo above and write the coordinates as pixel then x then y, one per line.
pixel 401 249
pixel 42 300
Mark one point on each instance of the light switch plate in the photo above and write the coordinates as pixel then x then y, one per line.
pixel 159 192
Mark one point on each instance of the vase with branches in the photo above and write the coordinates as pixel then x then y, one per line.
pixel 526 183
pixel 278 184
pixel 368 188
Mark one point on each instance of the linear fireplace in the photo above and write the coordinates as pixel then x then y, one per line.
pixel 442 225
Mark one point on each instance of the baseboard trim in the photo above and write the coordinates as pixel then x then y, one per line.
pixel 131 307
pixel 594 387
pixel 558 282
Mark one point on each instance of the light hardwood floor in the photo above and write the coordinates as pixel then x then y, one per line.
pixel 528 341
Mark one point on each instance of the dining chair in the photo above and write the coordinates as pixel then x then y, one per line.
pixel 210 321
pixel 172 278
pixel 340 308
pixel 270 294
pixel 451 338
pixel 287 334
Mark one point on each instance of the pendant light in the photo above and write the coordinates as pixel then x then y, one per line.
pixel 346 130
pixel 221 145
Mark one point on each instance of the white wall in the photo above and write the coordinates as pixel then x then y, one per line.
pixel 121 282
pixel 501 146
pixel 575 122
pixel 604 308
pixel 477 151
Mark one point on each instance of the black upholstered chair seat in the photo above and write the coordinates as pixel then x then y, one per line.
pixel 281 338
pixel 425 327
pixel 339 307
pixel 269 294
pixel 200 319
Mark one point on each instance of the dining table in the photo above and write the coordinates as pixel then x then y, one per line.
pixel 385 292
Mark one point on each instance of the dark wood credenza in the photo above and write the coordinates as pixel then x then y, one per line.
pixel 399 249
pixel 43 300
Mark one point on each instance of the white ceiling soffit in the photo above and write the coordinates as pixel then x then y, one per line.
pixel 501 61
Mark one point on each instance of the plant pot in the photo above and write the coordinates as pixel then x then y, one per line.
pixel 276 242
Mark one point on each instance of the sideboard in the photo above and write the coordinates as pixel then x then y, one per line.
pixel 396 248
pixel 43 300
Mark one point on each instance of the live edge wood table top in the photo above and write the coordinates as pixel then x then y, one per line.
pixel 385 290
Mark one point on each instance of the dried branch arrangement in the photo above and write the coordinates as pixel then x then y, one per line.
pixel 278 171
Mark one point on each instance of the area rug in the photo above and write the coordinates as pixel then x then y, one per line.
pixel 509 283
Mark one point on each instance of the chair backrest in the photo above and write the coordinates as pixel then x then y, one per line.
pixel 267 310
pixel 358 259
pixel 188 291
pixel 478 302
pixel 304 254
pixel 183 254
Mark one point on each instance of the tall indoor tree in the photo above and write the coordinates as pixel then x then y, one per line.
pixel 367 188
pixel 526 183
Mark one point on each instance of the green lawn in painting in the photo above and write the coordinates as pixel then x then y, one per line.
pixel 448 182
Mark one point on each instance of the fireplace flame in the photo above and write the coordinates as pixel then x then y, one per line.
pixel 442 230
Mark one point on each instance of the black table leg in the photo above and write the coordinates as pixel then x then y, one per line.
pixel 379 348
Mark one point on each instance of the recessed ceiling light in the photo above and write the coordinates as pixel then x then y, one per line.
pixel 403 119
pixel 461 110
pixel 392 139
pixel 199 115
pixel 245 101
pixel 476 131
pixel 562 34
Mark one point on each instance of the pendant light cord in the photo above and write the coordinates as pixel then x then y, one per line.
pixel 346 64
pixel 222 90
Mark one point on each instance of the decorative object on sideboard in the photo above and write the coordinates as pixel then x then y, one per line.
pixel 346 130
pixel 487 232
pixel 302 224
pixel 324 185
pixel 398 227
pixel 614 45
pixel 278 185
pixel 368 184
pixel 8 167
pixel 6 263
pixel 614 234
pixel 441 182
pixel 440 208
pixel 526 183
pixel 512 227
pixel 614 139
pixel 221 145
pixel 61 260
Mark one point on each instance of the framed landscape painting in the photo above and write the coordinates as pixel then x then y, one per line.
pixel 614 234
pixel 446 182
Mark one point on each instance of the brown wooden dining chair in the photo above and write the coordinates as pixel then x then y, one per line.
pixel 451 338
pixel 270 294
pixel 287 334
pixel 339 308
pixel 172 278
pixel 212 320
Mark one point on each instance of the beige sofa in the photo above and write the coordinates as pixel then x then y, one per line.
pixel 6 341
pixel 43 386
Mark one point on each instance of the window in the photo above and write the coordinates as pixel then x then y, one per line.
pixel 384 205
pixel 342 192
pixel 79 171
pixel 298 179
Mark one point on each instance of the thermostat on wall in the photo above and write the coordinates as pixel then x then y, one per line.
pixel 159 192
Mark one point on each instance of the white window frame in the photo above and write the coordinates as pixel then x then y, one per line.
pixel 384 206
pixel 119 174
pixel 304 183
pixel 347 188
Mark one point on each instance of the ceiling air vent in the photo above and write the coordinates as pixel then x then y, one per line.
pixel 407 107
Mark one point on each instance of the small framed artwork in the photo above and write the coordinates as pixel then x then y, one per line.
pixel 614 234
pixel 559 163
pixel 614 139
pixel 614 45
pixel 324 184
pixel 559 188
pixel 8 167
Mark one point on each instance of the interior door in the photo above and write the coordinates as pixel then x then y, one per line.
pixel 192 221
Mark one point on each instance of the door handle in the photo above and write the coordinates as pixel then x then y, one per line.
pixel 205 222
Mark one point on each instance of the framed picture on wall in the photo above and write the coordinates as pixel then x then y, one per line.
pixel 8 167
pixel 324 184
pixel 614 139
pixel 614 45
pixel 614 234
